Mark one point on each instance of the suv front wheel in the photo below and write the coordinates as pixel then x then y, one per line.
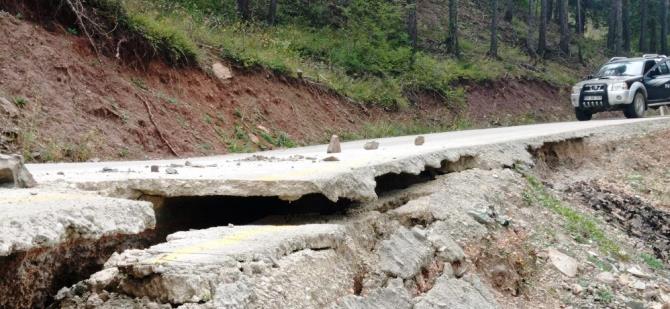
pixel 583 115
pixel 637 108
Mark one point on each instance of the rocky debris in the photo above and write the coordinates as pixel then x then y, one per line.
pixel 393 296
pixel 261 158
pixel 404 253
pixel 419 140
pixel 635 216
pixel 171 171
pixel 452 293
pixel 221 71
pixel 637 272
pixel 13 172
pixel 371 145
pixel 447 248
pixel 606 277
pixel 564 263
pixel 109 170
pixel 331 159
pixel 155 169
pixel 8 108
pixel 334 145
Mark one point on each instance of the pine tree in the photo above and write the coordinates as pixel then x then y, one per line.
pixel 493 51
pixel 452 39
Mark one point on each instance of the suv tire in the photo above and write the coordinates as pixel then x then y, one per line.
pixel 636 109
pixel 583 115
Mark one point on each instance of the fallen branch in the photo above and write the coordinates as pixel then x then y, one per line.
pixel 79 12
pixel 151 118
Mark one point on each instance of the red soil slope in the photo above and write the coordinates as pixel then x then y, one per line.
pixel 80 107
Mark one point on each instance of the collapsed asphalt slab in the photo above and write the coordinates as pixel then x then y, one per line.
pixel 50 238
pixel 293 173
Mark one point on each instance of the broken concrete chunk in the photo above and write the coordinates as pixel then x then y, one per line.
pixel 13 172
pixel 389 297
pixel 334 146
pixel 371 145
pixel 221 71
pixel 404 253
pixel 447 248
pixel 154 168
pixel 564 263
pixel 453 293
pixel 171 171
pixel 419 140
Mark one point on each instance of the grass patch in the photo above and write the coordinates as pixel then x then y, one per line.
pixel 20 102
pixel 652 261
pixel 582 226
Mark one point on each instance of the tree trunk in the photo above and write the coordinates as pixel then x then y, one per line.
pixel 652 35
pixel 509 11
pixel 618 33
pixel 272 12
pixel 579 23
pixel 626 26
pixel 550 10
pixel 542 41
pixel 493 51
pixel 664 27
pixel 611 26
pixel 452 39
pixel 243 9
pixel 643 26
pixel 530 40
pixel 565 28
pixel 412 29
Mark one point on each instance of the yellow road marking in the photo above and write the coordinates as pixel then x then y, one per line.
pixel 214 244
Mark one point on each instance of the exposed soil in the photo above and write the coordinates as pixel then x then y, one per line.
pixel 79 107
pixel 31 279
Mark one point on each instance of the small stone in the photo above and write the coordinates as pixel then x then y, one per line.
pixel 334 146
pixel 371 146
pixel 331 159
pixel 639 285
pixel 188 163
pixel 264 129
pixel 576 289
pixel 171 171
pixel 109 170
pixel 254 139
pixel 419 140
pixel 154 168
pixel 637 272
pixel 299 73
pixel 60 173
pixel 606 277
pixel 564 263
pixel 651 295
pixel 221 71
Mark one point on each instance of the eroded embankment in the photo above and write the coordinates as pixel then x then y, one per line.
pixel 475 237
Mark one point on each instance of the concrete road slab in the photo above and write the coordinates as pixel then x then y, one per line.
pixel 293 173
pixel 32 218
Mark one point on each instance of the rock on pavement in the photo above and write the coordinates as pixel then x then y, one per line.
pixel 13 173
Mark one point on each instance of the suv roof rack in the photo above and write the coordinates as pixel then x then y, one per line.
pixel 653 56
pixel 617 58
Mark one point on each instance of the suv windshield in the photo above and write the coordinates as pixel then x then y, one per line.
pixel 621 69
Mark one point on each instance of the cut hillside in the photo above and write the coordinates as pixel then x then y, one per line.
pixel 74 105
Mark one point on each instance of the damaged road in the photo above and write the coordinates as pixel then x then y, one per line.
pixel 446 224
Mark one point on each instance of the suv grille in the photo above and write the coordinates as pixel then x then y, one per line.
pixel 594 96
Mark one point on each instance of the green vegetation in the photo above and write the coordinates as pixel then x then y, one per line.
pixel 582 226
pixel 605 295
pixel 361 49
pixel 651 261
pixel 20 101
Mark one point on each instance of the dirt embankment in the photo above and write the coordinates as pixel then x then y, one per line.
pixel 73 105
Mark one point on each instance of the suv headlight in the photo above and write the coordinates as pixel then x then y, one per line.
pixel 576 89
pixel 618 86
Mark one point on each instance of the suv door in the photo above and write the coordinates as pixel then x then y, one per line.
pixel 657 82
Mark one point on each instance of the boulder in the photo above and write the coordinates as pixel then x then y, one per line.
pixel 8 108
pixel 13 172
pixel 420 140
pixel 334 146
pixel 371 145
pixel 221 71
